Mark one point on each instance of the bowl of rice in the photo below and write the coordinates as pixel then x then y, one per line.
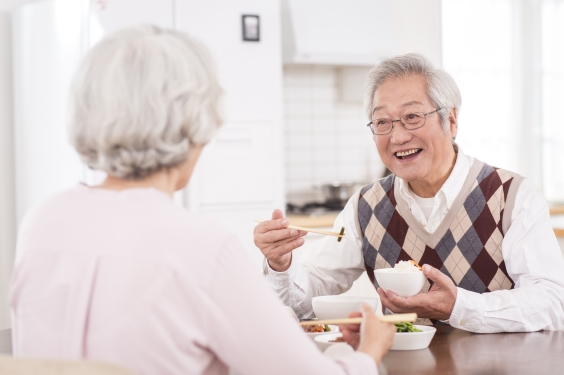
pixel 405 279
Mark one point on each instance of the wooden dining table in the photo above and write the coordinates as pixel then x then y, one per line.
pixel 453 351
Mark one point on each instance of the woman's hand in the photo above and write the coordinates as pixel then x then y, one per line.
pixel 372 337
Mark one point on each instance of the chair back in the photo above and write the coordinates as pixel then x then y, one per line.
pixel 20 366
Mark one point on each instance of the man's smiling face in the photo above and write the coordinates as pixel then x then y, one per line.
pixel 422 155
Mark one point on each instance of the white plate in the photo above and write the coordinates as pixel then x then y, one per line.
pixel 414 340
pixel 313 335
pixel 323 341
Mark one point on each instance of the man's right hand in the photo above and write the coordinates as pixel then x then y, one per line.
pixel 276 241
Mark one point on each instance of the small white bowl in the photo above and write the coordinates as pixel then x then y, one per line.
pixel 313 335
pixel 404 284
pixel 414 340
pixel 336 307
pixel 323 341
pixel 338 351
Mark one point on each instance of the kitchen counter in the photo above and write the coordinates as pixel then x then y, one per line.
pixel 557 218
pixel 326 220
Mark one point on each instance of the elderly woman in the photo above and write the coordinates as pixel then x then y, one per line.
pixel 118 272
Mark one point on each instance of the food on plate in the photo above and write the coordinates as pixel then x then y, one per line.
pixel 317 328
pixel 406 327
pixel 405 266
pixel 338 339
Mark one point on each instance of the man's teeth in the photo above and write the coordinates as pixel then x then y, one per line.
pixel 408 152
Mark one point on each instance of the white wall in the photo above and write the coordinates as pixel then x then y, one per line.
pixel 7 206
pixel 326 136
pixel 418 28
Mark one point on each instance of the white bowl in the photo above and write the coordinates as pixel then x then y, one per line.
pixel 323 341
pixel 336 307
pixel 313 335
pixel 338 351
pixel 404 284
pixel 414 340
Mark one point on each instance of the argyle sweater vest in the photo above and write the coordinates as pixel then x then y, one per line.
pixel 467 244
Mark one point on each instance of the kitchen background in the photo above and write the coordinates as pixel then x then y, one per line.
pixel 295 119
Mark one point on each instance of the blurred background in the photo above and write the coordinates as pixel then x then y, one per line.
pixel 293 71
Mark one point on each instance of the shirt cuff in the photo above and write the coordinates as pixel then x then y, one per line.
pixel 282 279
pixel 468 312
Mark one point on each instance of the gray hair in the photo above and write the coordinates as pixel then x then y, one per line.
pixel 140 99
pixel 441 88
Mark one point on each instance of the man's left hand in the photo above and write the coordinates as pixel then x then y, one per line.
pixel 437 303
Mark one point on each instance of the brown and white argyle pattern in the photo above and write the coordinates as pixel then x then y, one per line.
pixel 469 252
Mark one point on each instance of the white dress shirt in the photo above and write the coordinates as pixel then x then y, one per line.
pixel 532 257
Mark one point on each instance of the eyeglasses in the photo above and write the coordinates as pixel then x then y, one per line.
pixel 410 121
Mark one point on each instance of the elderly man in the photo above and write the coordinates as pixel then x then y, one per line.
pixel 482 233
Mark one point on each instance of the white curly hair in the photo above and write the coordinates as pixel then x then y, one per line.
pixel 141 99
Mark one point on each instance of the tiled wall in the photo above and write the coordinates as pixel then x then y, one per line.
pixel 326 134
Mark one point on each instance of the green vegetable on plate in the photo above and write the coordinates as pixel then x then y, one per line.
pixel 406 327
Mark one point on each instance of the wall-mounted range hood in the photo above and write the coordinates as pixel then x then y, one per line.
pixel 337 32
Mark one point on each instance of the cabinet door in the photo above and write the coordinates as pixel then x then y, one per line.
pixel 238 166
pixel 117 14
pixel 242 167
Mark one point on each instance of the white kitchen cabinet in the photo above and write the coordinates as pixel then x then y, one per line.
pixel 250 72
pixel 117 14
pixel 240 174
pixel 237 167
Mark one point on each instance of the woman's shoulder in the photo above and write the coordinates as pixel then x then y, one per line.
pixel 53 205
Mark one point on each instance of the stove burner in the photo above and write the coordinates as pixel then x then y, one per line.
pixel 315 207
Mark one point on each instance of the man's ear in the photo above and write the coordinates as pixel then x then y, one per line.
pixel 453 122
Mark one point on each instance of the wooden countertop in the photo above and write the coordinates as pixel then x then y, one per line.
pixel 327 219
pixel 556 210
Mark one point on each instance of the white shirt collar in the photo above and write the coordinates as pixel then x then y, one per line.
pixel 452 186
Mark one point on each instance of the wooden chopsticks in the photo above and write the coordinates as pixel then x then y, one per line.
pixel 325 232
pixel 394 318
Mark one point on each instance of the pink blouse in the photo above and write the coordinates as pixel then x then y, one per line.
pixel 130 278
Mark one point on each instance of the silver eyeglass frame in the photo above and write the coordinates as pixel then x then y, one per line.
pixel 369 125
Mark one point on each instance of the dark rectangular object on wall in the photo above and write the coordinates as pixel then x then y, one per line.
pixel 251 27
